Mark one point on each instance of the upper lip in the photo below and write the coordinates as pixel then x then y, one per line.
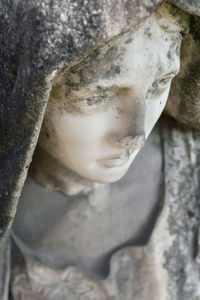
pixel 124 155
pixel 117 160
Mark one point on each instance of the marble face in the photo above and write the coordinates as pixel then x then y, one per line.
pixel 101 111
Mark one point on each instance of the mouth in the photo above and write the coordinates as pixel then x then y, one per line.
pixel 116 161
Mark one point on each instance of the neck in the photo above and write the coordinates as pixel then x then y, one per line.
pixel 47 171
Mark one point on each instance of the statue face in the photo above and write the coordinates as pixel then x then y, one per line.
pixel 101 111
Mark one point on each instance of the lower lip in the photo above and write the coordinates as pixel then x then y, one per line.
pixel 110 163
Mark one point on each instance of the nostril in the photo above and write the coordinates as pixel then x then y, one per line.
pixel 130 143
pixel 133 143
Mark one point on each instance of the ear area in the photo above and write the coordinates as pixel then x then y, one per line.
pixel 184 99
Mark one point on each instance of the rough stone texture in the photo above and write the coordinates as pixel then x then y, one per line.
pixel 175 242
pixel 191 6
pixel 37 37
pixel 131 277
pixel 183 103
pixel 182 199
pixel 4 270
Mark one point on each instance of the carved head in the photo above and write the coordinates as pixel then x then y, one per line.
pixel 102 110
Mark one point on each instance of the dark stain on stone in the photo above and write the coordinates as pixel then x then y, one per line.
pixel 129 40
pixel 195 27
pixel 147 32
pixel 169 55
pixel 47 135
pixel 117 69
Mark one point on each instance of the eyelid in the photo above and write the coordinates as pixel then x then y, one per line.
pixel 108 89
pixel 103 94
pixel 167 77
pixel 172 73
pixel 164 80
pixel 97 102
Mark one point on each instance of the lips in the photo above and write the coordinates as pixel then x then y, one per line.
pixel 115 162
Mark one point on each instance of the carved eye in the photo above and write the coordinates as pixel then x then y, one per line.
pixel 162 83
pixel 94 101
pixel 159 86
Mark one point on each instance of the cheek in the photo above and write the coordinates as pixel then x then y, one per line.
pixel 79 137
pixel 154 108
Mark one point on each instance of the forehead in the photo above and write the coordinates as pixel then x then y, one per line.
pixel 146 51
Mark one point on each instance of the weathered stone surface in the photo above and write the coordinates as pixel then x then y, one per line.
pixel 37 37
pixel 175 242
pixel 5 270
pixel 183 103
pixel 132 276
pixel 191 6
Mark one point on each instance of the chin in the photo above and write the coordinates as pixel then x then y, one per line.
pixel 109 180
pixel 112 175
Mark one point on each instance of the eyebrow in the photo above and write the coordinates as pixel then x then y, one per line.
pixel 123 86
pixel 103 88
pixel 115 87
pixel 174 72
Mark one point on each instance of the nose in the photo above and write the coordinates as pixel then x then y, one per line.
pixel 133 142
pixel 131 134
pixel 130 142
pixel 130 131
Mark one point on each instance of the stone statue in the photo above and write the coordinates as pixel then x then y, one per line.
pixel 77 234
